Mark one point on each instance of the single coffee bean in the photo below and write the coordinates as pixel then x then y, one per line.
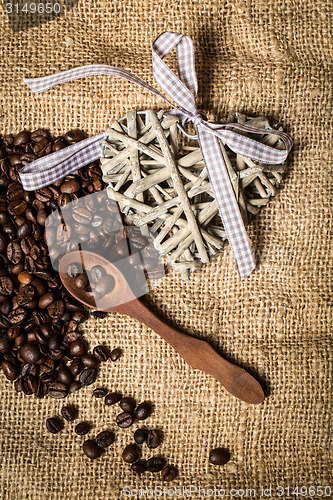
pixel 56 309
pixel 143 411
pixel 10 370
pixel 115 354
pixel 53 425
pixel 89 361
pixel 68 413
pixel 88 376
pixel 22 138
pixel 219 456
pixel 81 281
pixel 65 376
pixel 97 273
pixel 112 398
pixel 75 135
pixel 81 215
pixel 168 473
pixel 57 390
pixel 155 464
pixel 75 386
pixel 75 366
pixel 122 248
pixel 91 449
pixel 25 295
pixel 45 300
pixel 104 286
pixel 104 439
pixel 70 187
pixel 5 345
pixel 153 439
pixel 100 392
pixel 130 454
pixel 124 420
pixel 127 404
pixel 77 348
pixel 17 316
pixel 54 342
pixel 101 353
pixel 82 428
pixel 30 353
pixel 49 377
pixel 29 384
pixel 139 467
pixel 6 286
pixel 140 436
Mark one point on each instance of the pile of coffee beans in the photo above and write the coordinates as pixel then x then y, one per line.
pixel 40 344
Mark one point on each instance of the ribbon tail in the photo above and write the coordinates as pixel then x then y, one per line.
pixel 227 203
pixel 55 166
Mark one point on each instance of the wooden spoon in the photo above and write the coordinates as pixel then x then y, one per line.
pixel 197 353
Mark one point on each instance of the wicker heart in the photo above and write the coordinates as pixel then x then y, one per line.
pixel 140 180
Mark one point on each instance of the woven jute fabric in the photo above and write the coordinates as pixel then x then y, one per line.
pixel 257 57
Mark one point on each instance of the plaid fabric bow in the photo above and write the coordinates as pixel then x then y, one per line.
pixel 183 91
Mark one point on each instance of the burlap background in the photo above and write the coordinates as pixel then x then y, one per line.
pixel 257 57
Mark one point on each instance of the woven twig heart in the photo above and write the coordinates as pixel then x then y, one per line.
pixel 141 180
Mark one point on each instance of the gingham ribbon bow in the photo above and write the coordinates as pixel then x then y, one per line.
pixel 183 91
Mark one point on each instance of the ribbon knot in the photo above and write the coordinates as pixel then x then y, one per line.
pixel 182 89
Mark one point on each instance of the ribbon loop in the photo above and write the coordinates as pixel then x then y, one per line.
pixel 182 90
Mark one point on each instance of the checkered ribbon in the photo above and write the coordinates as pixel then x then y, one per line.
pixel 183 91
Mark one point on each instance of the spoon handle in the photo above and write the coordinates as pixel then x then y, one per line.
pixel 199 354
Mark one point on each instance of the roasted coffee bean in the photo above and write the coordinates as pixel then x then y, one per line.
pixel 75 386
pixel 68 413
pixel 48 378
pixel 81 281
pixel 100 392
pixel 115 354
pixel 22 138
pixel 65 376
pixel 10 370
pixel 77 348
pixel 88 376
pixel 25 295
pixel 6 286
pixel 97 273
pixel 124 420
pixel 54 342
pixel 54 425
pixel 122 248
pixel 29 384
pixel 30 352
pixel 104 286
pixel 24 230
pixel 82 428
pixel 25 278
pixel 76 366
pixel 82 215
pixel 153 439
pixel 28 369
pixel 101 353
pixel 41 389
pixel 45 300
pixel 17 385
pixel 127 404
pixel 91 449
pixel 5 345
pixel 155 464
pixel 39 134
pixel 56 309
pixel 17 316
pixel 219 456
pixel 75 135
pixel 70 187
pixel 143 411
pixel 130 454
pixel 139 467
pixel 17 207
pixel 57 390
pixel 112 398
pixel 104 439
pixel 168 473
pixel 89 361
pixel 140 436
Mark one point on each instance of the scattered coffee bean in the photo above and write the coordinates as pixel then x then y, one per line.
pixel 140 436
pixel 91 449
pixel 104 439
pixel 143 411
pixel 219 456
pixel 100 392
pixel 82 428
pixel 130 454
pixel 89 361
pixel 112 398
pixel 127 404
pixel 153 439
pixel 155 464
pixel 139 467
pixel 57 390
pixel 168 473
pixel 115 354
pixel 75 386
pixel 124 420
pixel 68 413
pixel 77 348
pixel 101 353
pixel 88 376
pixel 53 425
